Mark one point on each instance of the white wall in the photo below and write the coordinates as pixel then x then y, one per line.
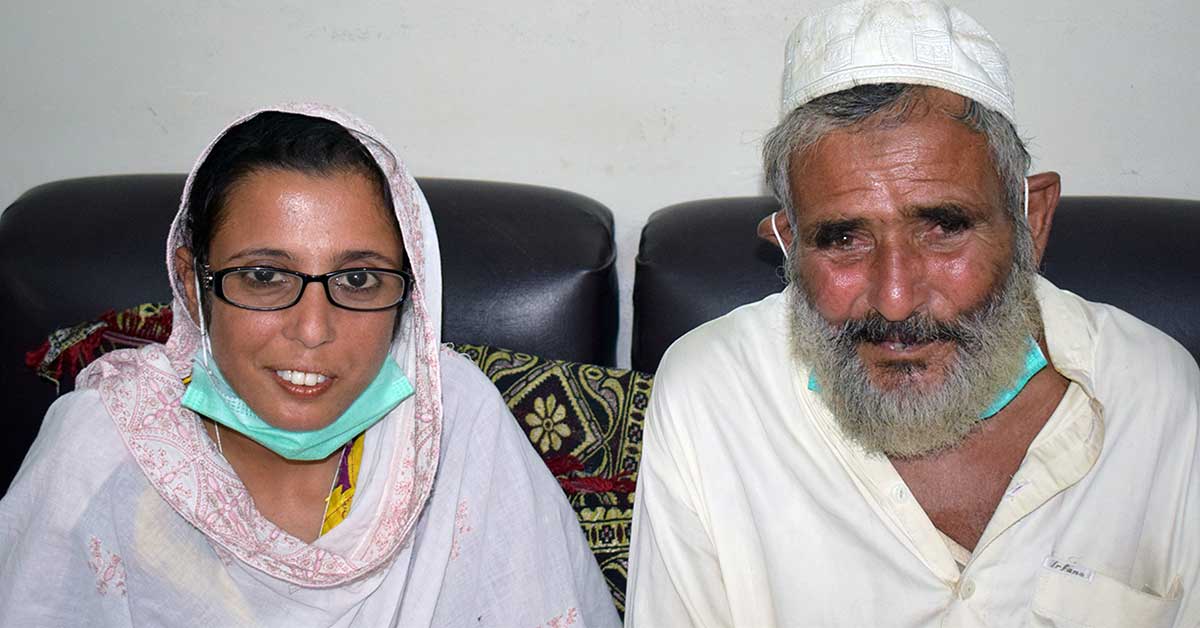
pixel 636 104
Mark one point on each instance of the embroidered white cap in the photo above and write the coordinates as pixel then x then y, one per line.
pixel 922 42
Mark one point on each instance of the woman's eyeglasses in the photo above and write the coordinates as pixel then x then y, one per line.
pixel 266 288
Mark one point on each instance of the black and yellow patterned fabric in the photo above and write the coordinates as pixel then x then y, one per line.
pixel 584 420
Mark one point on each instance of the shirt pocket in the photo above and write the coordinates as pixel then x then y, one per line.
pixel 1065 600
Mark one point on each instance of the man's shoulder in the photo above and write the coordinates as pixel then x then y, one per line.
pixel 1147 381
pixel 744 338
pixel 1100 337
pixel 1156 377
pixel 1127 344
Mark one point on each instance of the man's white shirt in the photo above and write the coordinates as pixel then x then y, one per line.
pixel 754 509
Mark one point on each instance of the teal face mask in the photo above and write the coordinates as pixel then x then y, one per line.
pixel 210 395
pixel 1034 362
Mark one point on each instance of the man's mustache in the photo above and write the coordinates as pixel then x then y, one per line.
pixel 919 328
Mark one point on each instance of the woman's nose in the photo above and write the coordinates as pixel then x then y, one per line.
pixel 310 321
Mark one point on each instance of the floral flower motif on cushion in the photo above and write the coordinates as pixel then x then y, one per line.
pixel 548 423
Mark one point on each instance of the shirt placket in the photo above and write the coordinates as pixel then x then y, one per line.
pixel 1058 458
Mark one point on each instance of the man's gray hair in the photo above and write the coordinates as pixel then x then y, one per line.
pixel 890 103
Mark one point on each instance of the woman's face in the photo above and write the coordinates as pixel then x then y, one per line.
pixel 315 225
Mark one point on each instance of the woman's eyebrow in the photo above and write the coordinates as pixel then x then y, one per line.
pixel 366 255
pixel 262 252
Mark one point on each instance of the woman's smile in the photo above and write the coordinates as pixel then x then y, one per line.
pixel 301 378
pixel 303 384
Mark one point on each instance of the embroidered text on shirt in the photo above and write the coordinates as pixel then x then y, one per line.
pixel 1071 569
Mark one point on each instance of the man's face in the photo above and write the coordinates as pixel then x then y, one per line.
pixel 908 308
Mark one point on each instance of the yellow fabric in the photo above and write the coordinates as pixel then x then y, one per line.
pixel 337 505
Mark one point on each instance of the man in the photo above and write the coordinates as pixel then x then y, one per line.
pixel 919 431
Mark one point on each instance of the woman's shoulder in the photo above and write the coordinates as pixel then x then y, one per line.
pixel 473 409
pixel 77 446
pixel 80 420
pixel 463 384
pixel 123 367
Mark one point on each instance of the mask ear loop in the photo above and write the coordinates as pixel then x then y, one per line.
pixel 206 346
pixel 778 239
pixel 1026 200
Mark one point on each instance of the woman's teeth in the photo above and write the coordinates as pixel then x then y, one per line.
pixel 300 378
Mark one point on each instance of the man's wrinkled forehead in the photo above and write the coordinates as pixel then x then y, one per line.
pixel 923 160
pixel 917 42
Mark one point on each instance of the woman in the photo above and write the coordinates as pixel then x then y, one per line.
pixel 296 454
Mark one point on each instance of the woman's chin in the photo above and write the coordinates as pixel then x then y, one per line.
pixel 299 422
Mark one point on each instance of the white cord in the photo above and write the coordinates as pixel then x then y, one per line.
pixel 1026 199
pixel 778 239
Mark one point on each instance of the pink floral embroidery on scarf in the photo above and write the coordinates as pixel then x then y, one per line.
pixel 109 570
pixel 567 618
pixel 461 527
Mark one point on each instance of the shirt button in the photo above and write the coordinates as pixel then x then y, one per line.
pixel 900 493
pixel 966 589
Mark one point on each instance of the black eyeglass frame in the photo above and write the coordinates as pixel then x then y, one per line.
pixel 214 279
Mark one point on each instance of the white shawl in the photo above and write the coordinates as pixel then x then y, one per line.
pixel 124 512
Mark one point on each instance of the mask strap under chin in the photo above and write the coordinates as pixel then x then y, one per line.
pixel 779 240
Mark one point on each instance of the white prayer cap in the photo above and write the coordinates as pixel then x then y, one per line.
pixel 922 42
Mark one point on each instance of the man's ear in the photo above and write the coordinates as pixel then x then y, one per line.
pixel 186 270
pixel 781 225
pixel 1044 191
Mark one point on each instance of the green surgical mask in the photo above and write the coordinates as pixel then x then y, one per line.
pixel 210 395
pixel 1034 362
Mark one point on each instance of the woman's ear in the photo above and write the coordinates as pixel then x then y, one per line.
pixel 185 269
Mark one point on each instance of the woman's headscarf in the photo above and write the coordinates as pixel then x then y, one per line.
pixel 141 391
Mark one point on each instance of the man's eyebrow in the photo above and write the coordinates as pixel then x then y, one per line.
pixel 822 230
pixel 945 212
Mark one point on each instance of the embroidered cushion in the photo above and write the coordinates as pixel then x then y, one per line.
pixel 585 420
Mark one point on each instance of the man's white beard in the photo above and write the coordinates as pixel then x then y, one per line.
pixel 991 342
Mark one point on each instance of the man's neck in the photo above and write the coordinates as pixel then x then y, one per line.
pixel 960 488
